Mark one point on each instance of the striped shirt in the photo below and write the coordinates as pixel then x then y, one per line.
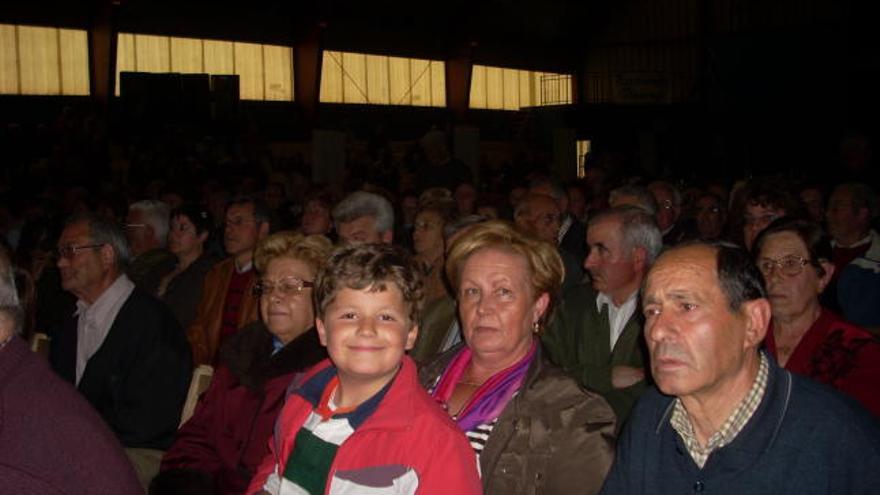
pixel 731 427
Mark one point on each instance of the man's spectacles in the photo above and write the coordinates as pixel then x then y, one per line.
pixel 132 226
pixel 287 287
pixel 790 265
pixel 69 251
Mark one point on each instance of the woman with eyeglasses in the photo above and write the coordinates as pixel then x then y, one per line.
pixel 220 447
pixel 181 288
pixel 795 258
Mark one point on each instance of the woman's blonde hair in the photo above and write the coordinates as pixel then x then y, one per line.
pixel 543 260
pixel 311 249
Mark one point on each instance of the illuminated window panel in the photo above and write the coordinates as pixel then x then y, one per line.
pixel 265 72
pixel 43 61
pixel 379 80
pixel 497 88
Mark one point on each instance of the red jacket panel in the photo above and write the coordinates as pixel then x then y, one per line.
pixel 407 429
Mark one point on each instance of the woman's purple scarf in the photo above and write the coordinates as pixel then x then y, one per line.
pixel 491 398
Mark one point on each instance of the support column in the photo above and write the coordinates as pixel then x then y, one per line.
pixel 458 84
pixel 307 59
pixel 102 53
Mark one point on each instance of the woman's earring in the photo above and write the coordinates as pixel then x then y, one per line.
pixel 536 327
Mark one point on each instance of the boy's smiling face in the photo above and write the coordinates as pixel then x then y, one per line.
pixel 366 333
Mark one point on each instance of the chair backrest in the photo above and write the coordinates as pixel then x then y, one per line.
pixel 39 343
pixel 201 379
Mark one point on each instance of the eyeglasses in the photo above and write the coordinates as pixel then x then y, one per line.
pixel 790 265
pixel 132 226
pixel 287 287
pixel 68 251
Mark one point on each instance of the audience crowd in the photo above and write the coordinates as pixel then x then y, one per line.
pixel 408 329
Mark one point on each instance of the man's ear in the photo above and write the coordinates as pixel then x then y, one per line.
pixel 203 237
pixel 322 332
pixel 411 337
pixel 828 268
pixel 540 307
pixel 387 236
pixel 263 230
pixel 757 314
pixel 640 259
pixel 108 255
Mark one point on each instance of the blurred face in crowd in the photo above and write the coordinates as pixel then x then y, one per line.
pixel 615 269
pixel 466 198
pixel 86 268
pixel 285 299
pixel 710 217
pixel 541 217
pixel 756 218
pixel 316 219
pixel 362 230
pixel 667 210
pixel 814 204
pixel 497 305
pixel 699 347
pixel 140 235
pixel 846 223
pixel 428 234
pixel 793 283
pixel 242 231
pixel 183 238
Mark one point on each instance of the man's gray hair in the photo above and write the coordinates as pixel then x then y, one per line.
pixel 156 215
pixel 365 204
pixel 670 188
pixel 102 231
pixel 9 301
pixel 644 199
pixel 638 229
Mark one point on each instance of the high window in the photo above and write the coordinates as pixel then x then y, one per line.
pixel 496 88
pixel 43 61
pixel 265 72
pixel 379 80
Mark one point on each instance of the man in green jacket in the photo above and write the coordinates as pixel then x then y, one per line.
pixel 596 334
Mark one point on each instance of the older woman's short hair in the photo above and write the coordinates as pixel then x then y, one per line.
pixel 361 204
pixel 102 231
pixel 370 267
pixel 311 249
pixel 9 302
pixel 156 215
pixel 638 229
pixel 545 266
pixel 818 244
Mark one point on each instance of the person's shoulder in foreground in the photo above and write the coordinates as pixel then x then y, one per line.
pixel 51 440
pixel 808 439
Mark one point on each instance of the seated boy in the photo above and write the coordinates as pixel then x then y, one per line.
pixel 359 422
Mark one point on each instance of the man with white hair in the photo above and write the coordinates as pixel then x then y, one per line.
pixel 146 228
pixel 364 218
pixel 596 334
pixel 52 440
